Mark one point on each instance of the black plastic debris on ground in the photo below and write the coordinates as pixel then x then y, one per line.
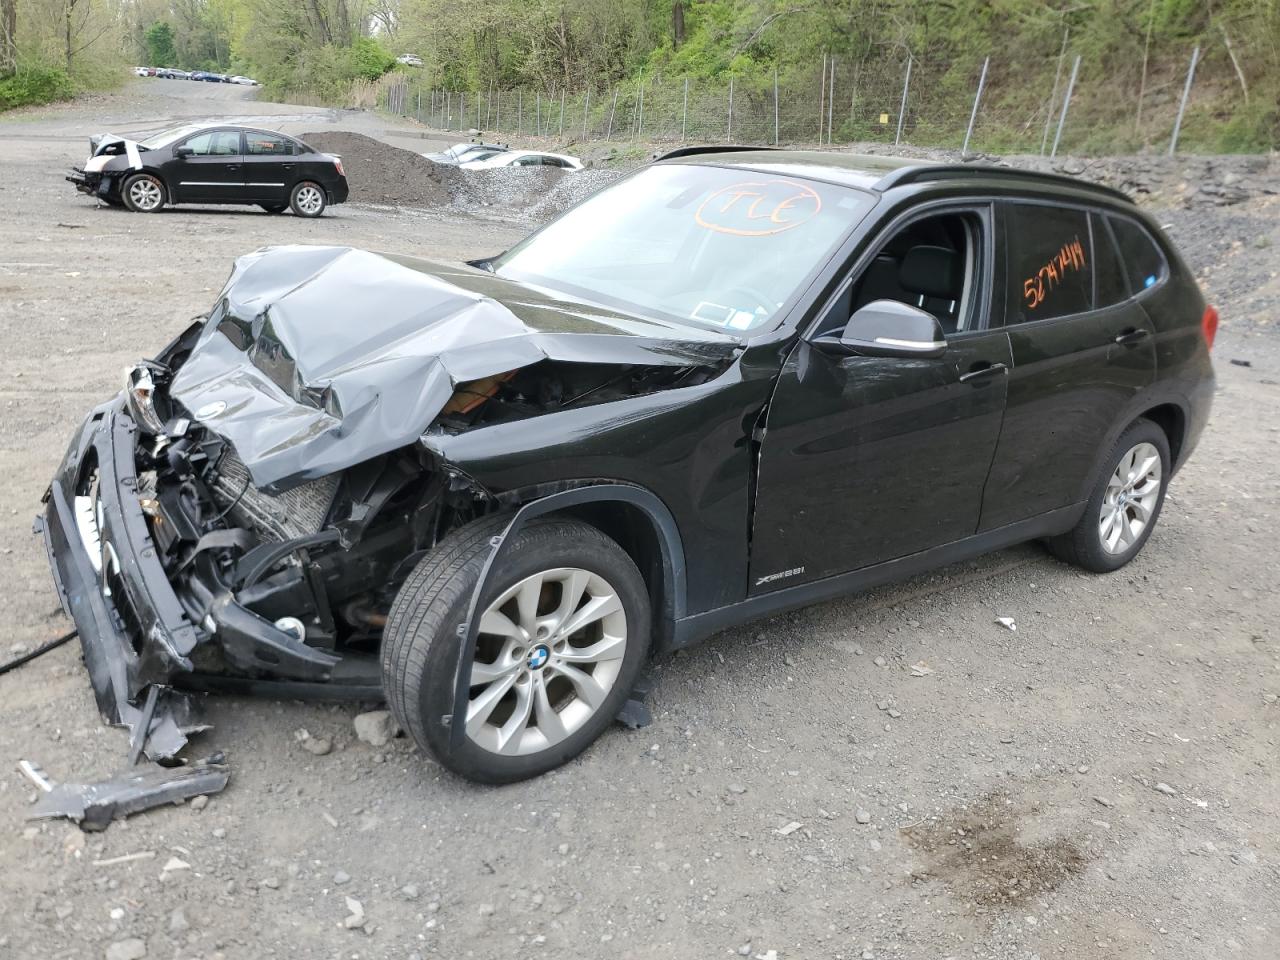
pixel 94 805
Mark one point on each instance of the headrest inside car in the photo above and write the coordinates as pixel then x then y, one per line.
pixel 932 272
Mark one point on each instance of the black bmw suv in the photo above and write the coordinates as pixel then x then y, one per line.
pixel 205 164
pixel 733 383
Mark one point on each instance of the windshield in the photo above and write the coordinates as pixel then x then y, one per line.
pixel 166 137
pixel 704 246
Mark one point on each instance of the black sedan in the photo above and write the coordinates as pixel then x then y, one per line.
pixel 212 164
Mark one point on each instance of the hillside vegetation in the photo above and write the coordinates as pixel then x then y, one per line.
pixel 1133 55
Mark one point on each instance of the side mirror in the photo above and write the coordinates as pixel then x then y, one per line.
pixel 183 152
pixel 887 328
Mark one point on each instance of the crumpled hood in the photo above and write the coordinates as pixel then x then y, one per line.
pixel 317 358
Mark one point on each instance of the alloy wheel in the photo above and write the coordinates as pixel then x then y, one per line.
pixel 547 654
pixel 146 194
pixel 309 200
pixel 1130 499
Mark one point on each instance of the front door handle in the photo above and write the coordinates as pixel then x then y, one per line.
pixel 977 372
pixel 286 166
pixel 233 166
pixel 1131 336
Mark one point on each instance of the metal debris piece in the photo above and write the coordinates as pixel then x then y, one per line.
pixel 94 805
pixel 1007 623
pixel 36 775
pixel 126 858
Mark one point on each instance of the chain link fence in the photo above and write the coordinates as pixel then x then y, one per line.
pixel 912 101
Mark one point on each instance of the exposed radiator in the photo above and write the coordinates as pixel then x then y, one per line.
pixel 295 513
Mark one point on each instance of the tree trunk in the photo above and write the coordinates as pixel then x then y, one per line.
pixel 67 7
pixel 8 36
pixel 677 23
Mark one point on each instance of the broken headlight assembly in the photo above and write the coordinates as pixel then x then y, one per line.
pixel 140 398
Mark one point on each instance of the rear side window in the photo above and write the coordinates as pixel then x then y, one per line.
pixel 1050 262
pixel 1142 258
pixel 266 144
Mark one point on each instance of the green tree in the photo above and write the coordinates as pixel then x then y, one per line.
pixel 160 48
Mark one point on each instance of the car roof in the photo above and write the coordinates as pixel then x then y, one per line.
pixel 874 172
pixel 514 154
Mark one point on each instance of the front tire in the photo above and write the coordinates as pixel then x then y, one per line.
pixel 1124 505
pixel 143 193
pixel 565 629
pixel 308 199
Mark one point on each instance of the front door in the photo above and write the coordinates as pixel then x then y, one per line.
pixel 213 173
pixel 867 459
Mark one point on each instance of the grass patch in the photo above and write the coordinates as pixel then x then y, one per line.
pixel 32 85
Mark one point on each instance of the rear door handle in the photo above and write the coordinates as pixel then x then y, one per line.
pixel 1129 337
pixel 989 370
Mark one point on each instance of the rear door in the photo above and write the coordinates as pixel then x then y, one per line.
pixel 214 173
pixel 270 165
pixel 1082 349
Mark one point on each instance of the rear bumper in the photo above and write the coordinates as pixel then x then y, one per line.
pixel 338 192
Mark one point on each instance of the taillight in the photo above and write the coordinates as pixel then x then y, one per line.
pixel 1209 324
pixel 337 162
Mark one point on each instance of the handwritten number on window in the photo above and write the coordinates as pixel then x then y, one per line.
pixel 1068 259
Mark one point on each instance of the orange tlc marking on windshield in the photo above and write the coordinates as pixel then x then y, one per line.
pixel 766 214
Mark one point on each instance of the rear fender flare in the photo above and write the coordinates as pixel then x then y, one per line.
pixel 1149 400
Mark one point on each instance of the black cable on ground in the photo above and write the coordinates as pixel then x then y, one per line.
pixel 38 651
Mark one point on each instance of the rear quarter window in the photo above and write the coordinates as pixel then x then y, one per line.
pixel 1108 269
pixel 1050 262
pixel 1143 261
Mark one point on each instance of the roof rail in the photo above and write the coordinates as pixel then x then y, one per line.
pixel 710 148
pixel 959 171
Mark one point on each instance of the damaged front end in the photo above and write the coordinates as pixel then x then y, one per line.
pixel 110 159
pixel 242 514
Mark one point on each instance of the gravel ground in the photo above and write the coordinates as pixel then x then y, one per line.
pixel 892 775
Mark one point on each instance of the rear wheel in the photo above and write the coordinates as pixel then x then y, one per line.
pixel 564 630
pixel 143 193
pixel 307 199
pixel 1124 505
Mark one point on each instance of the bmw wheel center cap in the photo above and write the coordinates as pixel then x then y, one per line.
pixel 539 656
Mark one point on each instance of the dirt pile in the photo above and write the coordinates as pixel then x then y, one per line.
pixel 378 173
pixel 382 174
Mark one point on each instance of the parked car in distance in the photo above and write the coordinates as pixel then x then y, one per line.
pixel 140 71
pixel 171 73
pixel 523 158
pixel 409 60
pixel 245 81
pixel 731 384
pixel 462 152
pixel 204 163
